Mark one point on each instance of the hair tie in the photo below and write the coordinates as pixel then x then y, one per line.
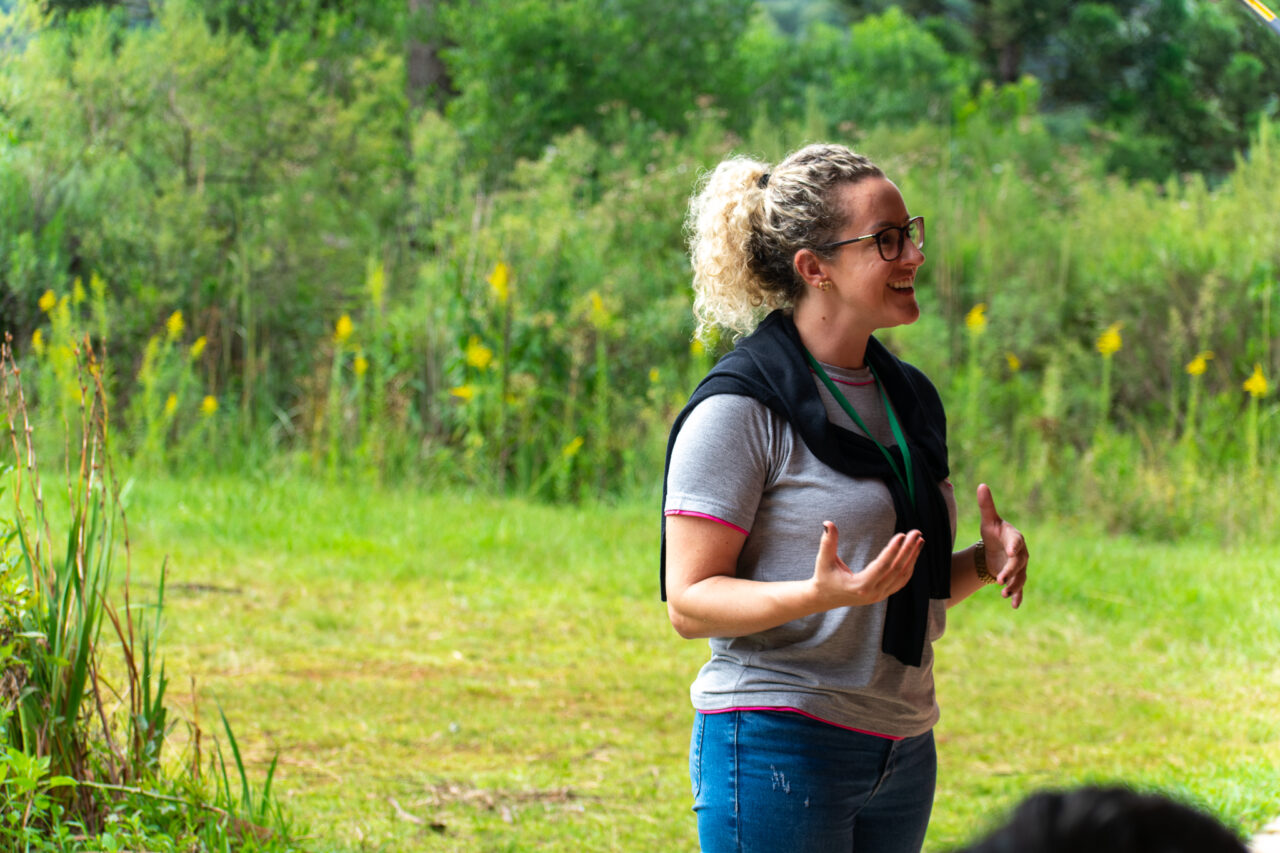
pixel 764 181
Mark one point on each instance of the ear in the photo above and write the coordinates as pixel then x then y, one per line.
pixel 810 267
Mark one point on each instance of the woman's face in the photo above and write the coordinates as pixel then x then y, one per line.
pixel 871 292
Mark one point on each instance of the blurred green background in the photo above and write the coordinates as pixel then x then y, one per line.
pixel 395 310
pixel 442 241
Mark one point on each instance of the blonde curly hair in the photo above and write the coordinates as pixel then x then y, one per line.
pixel 746 223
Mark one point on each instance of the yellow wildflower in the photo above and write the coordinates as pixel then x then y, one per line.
pixel 479 356
pixel 976 320
pixel 571 449
pixel 500 282
pixel 343 329
pixel 464 392
pixel 1198 365
pixel 208 405
pixel 697 347
pixel 376 283
pixel 170 404
pixel 599 314
pixel 48 302
pixel 1015 363
pixel 360 365
pixel 653 376
pixel 198 347
pixel 1109 341
pixel 1256 384
pixel 37 342
pixel 77 292
pixel 174 326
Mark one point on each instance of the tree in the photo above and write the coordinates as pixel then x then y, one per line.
pixel 1179 83
pixel 526 70
pixel 1177 79
pixel 1005 32
pixel 884 70
pixel 426 76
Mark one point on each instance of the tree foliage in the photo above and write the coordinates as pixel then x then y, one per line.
pixel 221 156
pixel 884 69
pixel 527 70
pixel 1180 85
pixel 281 249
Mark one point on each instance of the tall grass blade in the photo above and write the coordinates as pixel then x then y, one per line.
pixel 265 803
pixel 235 751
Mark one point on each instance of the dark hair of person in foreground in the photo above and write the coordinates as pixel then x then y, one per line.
pixel 1107 820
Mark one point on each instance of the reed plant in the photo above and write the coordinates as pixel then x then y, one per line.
pixel 83 693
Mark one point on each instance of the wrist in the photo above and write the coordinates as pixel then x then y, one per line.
pixel 980 564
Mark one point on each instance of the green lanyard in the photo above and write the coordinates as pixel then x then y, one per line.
pixel 906 478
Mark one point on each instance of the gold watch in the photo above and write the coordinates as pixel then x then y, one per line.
pixel 980 564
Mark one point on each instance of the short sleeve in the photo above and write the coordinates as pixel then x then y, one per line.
pixel 721 461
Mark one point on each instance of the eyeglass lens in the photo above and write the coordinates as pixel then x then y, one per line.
pixel 890 240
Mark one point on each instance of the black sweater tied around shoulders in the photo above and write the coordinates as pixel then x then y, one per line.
pixel 769 365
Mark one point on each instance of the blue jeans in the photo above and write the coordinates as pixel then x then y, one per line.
pixel 775 782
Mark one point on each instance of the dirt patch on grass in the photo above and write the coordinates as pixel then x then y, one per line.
pixel 453 793
pixel 506 803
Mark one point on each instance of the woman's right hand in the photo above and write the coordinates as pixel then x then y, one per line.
pixel 883 576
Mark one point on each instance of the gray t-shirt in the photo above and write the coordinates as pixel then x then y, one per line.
pixel 738 462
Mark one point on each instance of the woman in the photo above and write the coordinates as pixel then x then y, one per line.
pixel 815 712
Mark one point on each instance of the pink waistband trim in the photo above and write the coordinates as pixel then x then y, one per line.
pixel 803 714
pixel 708 517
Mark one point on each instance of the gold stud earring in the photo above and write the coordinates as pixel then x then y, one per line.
pixel 825 284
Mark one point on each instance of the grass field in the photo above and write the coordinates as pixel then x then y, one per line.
pixel 450 672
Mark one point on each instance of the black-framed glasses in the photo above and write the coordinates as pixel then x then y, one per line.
pixel 890 241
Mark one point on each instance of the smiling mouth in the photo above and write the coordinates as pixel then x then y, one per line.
pixel 908 284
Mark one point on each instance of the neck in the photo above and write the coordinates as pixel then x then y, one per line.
pixel 829 338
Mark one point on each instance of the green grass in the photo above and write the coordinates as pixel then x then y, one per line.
pixel 453 672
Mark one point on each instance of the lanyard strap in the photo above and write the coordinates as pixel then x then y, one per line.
pixel 903 477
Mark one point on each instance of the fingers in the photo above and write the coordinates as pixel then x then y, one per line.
pixel 908 546
pixel 829 550
pixel 1016 556
pixel 987 505
pixel 1013 590
pixel 883 576
pixel 898 560
pixel 829 545
pixel 1013 576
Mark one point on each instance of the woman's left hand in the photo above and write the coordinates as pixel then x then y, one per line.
pixel 1006 549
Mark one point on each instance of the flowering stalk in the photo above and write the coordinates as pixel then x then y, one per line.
pixel 342 331
pixel 976 324
pixel 1195 369
pixel 500 286
pixel 602 322
pixel 1256 385
pixel 1109 343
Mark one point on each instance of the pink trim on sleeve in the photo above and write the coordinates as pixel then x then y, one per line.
pixel 708 517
